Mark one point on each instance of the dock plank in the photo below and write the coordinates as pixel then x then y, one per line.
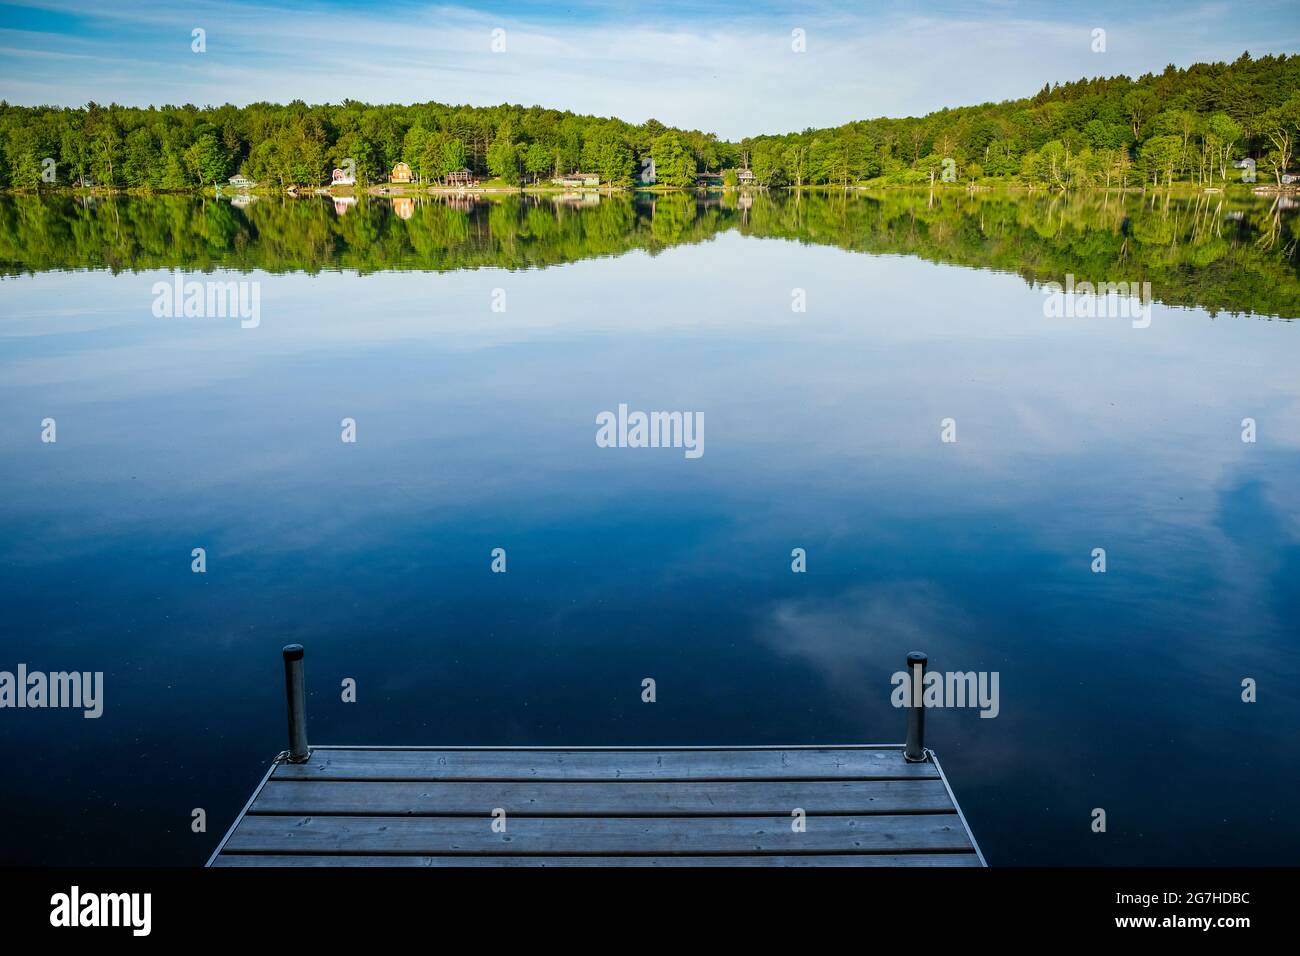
pixel 573 765
pixel 606 798
pixel 646 836
pixel 864 806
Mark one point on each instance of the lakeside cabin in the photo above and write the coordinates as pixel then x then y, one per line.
pixel 342 178
pixel 401 174
pixel 241 182
pixel 1285 179
pixel 716 180
pixel 577 180
pixel 460 179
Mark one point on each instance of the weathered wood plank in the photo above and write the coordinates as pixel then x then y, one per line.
pixel 811 859
pixel 661 765
pixel 648 836
pixel 607 798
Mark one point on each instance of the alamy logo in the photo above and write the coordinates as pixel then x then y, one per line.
pixel 208 300
pixel 75 908
pixel 1101 300
pixel 651 430
pixel 951 689
pixel 76 689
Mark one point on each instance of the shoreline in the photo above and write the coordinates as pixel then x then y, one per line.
pixel 396 191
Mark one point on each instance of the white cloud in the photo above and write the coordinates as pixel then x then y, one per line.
pixel 733 76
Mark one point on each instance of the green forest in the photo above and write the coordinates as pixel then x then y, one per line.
pixel 1180 126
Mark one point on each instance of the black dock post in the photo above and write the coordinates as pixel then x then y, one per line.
pixel 295 692
pixel 914 751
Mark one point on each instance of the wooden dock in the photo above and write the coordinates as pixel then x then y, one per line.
pixel 853 805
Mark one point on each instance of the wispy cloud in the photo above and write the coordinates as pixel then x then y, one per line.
pixel 711 67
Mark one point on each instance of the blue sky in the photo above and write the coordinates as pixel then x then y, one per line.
pixel 727 68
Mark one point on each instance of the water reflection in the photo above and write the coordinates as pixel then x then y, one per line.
pixel 1236 255
pixel 476 430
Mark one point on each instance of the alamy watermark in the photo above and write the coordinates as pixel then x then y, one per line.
pixel 651 430
pixel 37 689
pixel 947 689
pixel 192 299
pixel 75 908
pixel 1100 300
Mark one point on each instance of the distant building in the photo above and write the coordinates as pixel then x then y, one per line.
pixel 708 179
pixel 242 182
pixel 401 174
pixel 573 180
pixel 746 177
pixel 461 179
pixel 343 178
pixel 1289 178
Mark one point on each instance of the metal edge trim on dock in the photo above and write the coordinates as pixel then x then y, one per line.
pixel 603 747
pixel 239 817
pixel 970 834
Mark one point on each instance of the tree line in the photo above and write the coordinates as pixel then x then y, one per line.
pixel 1183 125
pixel 183 147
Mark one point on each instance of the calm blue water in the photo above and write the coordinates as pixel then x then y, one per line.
pixel 476 431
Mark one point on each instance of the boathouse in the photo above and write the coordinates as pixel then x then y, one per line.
pixel 460 179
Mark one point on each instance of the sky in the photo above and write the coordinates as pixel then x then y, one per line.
pixel 732 69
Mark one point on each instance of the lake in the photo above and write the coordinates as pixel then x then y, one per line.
pixel 831 343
